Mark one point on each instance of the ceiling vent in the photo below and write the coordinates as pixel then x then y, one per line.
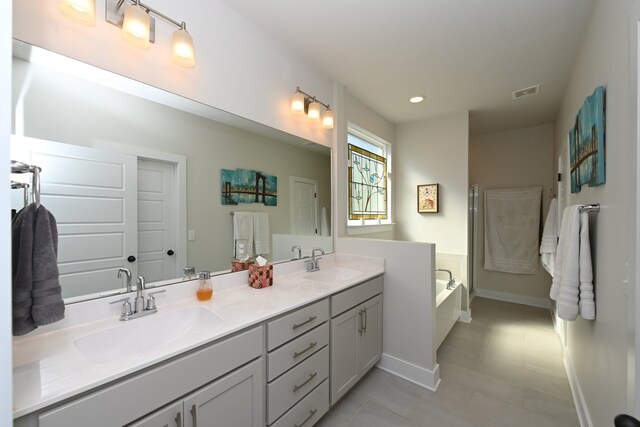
pixel 527 91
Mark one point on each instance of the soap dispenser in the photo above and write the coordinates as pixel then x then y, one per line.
pixel 205 287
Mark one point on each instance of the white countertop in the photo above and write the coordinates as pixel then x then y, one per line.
pixel 48 367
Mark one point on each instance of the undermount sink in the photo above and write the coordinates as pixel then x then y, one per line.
pixel 140 335
pixel 333 274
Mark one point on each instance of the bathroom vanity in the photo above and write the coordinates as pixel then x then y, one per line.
pixel 279 356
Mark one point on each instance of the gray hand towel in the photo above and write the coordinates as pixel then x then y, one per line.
pixel 22 229
pixel 48 306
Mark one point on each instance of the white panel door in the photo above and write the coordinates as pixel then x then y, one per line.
pixel 156 220
pixel 304 206
pixel 92 195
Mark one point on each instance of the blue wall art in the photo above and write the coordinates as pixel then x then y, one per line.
pixel 248 186
pixel 586 143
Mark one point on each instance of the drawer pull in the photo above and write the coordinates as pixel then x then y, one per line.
pixel 298 354
pixel 309 320
pixel 298 387
pixel 179 419
pixel 311 414
pixel 194 415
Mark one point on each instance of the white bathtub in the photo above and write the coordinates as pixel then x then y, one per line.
pixel 448 307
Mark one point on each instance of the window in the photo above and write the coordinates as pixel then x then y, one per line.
pixel 369 178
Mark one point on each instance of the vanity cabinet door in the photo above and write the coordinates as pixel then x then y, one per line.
pixel 345 334
pixel 170 416
pixel 371 339
pixel 235 400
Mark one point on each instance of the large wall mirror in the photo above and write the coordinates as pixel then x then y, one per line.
pixel 134 180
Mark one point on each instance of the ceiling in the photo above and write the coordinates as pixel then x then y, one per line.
pixel 461 54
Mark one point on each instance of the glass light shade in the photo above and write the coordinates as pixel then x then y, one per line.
pixel 182 47
pixel 314 111
pixel 135 28
pixel 327 119
pixel 81 11
pixel 297 103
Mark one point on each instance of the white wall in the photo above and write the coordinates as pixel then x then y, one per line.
pixel 597 350
pixel 409 327
pixel 428 152
pixel 509 159
pixel 6 405
pixel 239 68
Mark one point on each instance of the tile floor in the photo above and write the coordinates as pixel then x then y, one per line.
pixel 503 369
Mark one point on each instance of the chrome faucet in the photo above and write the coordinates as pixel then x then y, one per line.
pixel 451 283
pixel 312 264
pixel 127 272
pixel 139 307
pixel 294 247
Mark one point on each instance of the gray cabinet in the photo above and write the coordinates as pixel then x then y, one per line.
pixel 356 335
pixel 170 416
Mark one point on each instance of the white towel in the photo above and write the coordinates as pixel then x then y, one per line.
pixel 324 224
pixel 511 227
pixel 572 285
pixel 261 232
pixel 549 242
pixel 242 234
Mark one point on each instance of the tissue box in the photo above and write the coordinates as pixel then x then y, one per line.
pixel 260 277
pixel 240 265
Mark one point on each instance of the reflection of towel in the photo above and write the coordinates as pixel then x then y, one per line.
pixel 511 226
pixel 550 238
pixel 261 232
pixel 242 234
pixel 36 292
pixel 324 224
pixel 572 285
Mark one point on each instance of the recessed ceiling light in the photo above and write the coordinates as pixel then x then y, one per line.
pixel 416 99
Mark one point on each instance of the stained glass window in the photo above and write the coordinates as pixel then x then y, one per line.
pixel 367 181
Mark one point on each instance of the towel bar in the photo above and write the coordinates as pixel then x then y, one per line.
pixel 594 207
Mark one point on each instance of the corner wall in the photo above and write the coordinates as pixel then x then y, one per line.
pixel 514 158
pixel 596 352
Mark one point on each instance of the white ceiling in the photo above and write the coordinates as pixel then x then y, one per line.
pixel 461 54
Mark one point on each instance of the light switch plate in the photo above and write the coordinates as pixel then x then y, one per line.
pixel 191 235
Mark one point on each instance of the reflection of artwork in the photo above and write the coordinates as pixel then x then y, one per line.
pixel 248 186
pixel 586 143
pixel 428 198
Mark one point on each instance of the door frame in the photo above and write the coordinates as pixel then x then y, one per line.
pixel 180 205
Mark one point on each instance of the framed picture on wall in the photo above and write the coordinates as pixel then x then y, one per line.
pixel 428 198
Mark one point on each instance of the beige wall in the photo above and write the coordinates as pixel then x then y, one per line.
pixel 69 110
pixel 509 159
pixel 427 152
pixel 598 350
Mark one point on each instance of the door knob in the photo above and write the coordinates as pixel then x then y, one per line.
pixel 131 258
pixel 170 252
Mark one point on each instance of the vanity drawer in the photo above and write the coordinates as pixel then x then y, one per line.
pixel 351 297
pixel 297 323
pixel 295 384
pixel 309 410
pixel 296 351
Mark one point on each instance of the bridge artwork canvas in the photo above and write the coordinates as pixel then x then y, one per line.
pixel 586 143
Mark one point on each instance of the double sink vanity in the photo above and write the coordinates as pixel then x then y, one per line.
pixel 278 356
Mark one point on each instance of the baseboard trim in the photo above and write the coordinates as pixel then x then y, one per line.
pixel 515 298
pixel 410 372
pixel 576 391
pixel 465 316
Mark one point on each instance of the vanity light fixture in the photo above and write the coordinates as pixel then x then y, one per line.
pixel 81 11
pixel 138 28
pixel 302 102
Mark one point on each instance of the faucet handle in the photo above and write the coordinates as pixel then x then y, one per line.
pixel 151 301
pixel 126 306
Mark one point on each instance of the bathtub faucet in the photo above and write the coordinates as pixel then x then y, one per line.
pixel 451 283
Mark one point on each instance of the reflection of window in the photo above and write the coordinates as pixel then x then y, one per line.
pixel 368 179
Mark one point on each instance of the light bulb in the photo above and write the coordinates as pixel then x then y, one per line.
pixel 135 28
pixel 297 103
pixel 81 11
pixel 327 119
pixel 314 111
pixel 183 52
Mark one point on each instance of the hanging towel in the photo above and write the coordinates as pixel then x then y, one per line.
pixel 572 285
pixel 242 234
pixel 511 227
pixel 324 224
pixel 261 232
pixel 550 238
pixel 37 295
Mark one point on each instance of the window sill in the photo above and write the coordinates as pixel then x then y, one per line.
pixel 354 230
